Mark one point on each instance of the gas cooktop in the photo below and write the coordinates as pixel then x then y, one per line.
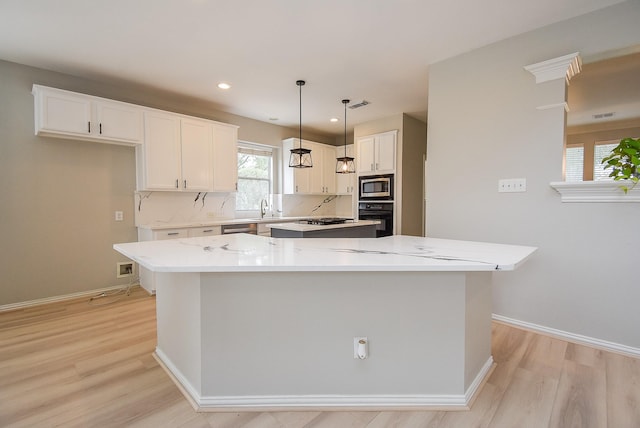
pixel 324 221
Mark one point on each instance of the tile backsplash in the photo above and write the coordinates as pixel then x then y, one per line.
pixel 168 208
pixel 155 208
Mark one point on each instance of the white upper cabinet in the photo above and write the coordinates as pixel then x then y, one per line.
pixel 295 180
pixel 188 154
pixel 376 154
pixel 159 160
pixel 345 183
pixel 328 169
pixel 176 154
pixel 66 114
pixel 197 151
pixel 319 179
pixel 225 158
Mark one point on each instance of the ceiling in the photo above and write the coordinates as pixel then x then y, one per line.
pixel 372 50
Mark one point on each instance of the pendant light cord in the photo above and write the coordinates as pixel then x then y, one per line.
pixel 300 83
pixel 345 102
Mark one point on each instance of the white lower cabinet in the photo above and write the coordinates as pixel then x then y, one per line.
pixel 204 231
pixel 147 277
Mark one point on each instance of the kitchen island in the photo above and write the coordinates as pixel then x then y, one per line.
pixel 254 323
pixel 311 229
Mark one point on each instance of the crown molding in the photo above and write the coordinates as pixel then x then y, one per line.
pixel 565 66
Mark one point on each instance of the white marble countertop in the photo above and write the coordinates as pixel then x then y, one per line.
pixel 222 221
pixel 304 227
pixel 251 253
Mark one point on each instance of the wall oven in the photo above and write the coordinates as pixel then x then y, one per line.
pixel 382 211
pixel 376 187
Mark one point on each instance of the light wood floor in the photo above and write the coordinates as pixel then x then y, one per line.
pixel 72 364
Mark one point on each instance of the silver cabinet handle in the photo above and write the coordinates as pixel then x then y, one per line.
pixel 177 184
pixel 207 231
pixel 173 233
pixel 100 129
pixel 89 127
pixel 185 184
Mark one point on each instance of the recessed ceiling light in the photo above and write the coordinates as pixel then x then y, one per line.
pixel 333 119
pixel 223 85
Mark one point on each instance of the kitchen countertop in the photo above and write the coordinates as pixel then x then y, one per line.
pixel 304 227
pixel 244 252
pixel 221 222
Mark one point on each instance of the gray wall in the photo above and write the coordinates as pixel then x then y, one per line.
pixel 58 197
pixel 484 126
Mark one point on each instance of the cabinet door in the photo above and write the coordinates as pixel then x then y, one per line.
pixel 118 121
pixel 385 156
pixel 64 112
pixel 295 180
pixel 225 158
pixel 196 138
pixel 316 183
pixel 161 160
pixel 366 155
pixel 345 183
pixel 329 169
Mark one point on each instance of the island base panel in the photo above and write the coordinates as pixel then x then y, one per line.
pixel 285 339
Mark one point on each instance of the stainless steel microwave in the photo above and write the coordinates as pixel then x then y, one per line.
pixel 376 187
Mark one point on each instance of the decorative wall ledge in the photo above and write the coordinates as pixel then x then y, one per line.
pixel 596 191
pixel 565 66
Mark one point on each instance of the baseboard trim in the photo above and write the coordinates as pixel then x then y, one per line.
pixel 259 403
pixel 570 337
pixel 54 299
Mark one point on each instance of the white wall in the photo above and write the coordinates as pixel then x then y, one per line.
pixel 483 126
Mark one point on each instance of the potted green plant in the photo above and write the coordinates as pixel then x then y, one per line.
pixel 625 159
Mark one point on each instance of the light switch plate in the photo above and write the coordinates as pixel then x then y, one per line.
pixel 510 185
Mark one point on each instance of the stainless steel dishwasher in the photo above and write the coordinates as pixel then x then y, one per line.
pixel 251 228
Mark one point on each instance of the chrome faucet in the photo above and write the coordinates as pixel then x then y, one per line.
pixel 263 207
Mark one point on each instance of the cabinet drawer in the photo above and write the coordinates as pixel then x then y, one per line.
pixel 205 231
pixel 170 234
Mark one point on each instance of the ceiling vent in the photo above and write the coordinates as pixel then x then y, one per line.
pixel 360 104
pixel 603 115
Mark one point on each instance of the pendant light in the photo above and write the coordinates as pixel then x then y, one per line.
pixel 345 165
pixel 300 158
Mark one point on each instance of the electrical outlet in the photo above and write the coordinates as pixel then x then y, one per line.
pixel 119 216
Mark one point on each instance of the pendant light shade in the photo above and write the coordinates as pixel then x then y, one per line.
pixel 345 164
pixel 300 158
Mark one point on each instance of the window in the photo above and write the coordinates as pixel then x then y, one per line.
pixel 574 163
pixel 601 151
pixel 255 176
pixel 583 161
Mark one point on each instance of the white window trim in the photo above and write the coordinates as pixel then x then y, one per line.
pixel 596 191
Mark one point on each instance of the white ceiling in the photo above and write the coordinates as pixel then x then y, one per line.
pixel 374 50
